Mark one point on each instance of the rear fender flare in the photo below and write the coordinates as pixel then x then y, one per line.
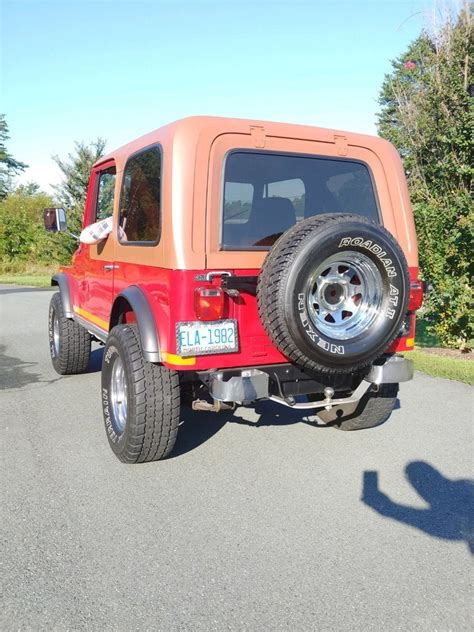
pixel 147 329
pixel 60 279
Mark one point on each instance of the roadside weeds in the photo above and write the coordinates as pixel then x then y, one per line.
pixel 451 368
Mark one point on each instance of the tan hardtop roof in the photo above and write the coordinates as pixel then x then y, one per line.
pixel 216 125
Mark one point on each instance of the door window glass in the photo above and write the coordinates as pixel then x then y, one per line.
pixel 105 194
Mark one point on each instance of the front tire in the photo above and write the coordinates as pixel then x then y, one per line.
pixel 69 343
pixel 140 400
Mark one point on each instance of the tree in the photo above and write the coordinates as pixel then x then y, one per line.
pixel 71 193
pixel 29 188
pixel 427 113
pixel 9 167
pixel 23 239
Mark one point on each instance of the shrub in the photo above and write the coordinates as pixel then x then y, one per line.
pixel 22 234
pixel 427 113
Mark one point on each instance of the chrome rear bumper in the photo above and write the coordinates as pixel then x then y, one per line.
pixel 396 369
pixel 252 384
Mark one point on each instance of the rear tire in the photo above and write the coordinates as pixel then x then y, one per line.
pixel 373 410
pixel 140 400
pixel 69 343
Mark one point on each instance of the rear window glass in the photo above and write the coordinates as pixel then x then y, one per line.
pixel 266 193
pixel 238 198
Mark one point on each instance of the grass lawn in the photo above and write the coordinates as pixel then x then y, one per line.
pixel 439 366
pixel 36 280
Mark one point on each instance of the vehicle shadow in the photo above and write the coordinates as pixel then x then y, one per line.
pixel 14 373
pixel 95 361
pixel 273 414
pixel 450 511
pixel 195 429
pixel 198 427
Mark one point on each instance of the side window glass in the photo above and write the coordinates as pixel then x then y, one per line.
pixel 140 200
pixel 238 198
pixel 105 194
pixel 293 190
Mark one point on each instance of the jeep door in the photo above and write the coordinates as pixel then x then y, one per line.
pixel 139 256
pixel 97 260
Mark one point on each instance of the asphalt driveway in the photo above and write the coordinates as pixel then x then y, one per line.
pixel 258 521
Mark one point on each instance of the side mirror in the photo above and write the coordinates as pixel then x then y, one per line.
pixel 55 220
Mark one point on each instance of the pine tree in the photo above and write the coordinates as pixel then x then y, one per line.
pixel 9 167
pixel 76 169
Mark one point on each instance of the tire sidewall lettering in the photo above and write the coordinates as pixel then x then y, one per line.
pixel 314 336
pixel 374 248
pixel 109 428
pixel 116 439
pixel 109 353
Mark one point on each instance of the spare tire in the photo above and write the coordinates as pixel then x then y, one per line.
pixel 333 292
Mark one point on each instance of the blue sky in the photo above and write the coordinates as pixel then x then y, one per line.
pixel 77 69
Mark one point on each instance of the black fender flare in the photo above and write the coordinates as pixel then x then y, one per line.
pixel 138 301
pixel 60 279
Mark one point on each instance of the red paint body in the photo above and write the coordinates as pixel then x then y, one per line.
pixel 194 151
pixel 171 297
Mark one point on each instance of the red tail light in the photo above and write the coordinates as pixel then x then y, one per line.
pixel 416 295
pixel 209 303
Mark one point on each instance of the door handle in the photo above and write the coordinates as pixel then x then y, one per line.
pixel 110 266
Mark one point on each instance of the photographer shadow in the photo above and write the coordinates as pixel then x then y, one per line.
pixel 450 511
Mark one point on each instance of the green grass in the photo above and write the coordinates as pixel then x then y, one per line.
pixel 36 280
pixel 26 273
pixel 440 366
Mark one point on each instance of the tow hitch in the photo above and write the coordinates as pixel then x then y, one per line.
pixel 211 407
pixel 253 384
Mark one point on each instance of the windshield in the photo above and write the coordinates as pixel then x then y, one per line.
pixel 267 193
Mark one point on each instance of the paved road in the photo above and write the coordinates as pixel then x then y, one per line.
pixel 260 521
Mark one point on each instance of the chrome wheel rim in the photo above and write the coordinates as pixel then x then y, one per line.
pixel 118 395
pixel 344 295
pixel 56 337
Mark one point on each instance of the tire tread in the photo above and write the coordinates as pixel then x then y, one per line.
pixel 75 342
pixel 373 410
pixel 154 404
